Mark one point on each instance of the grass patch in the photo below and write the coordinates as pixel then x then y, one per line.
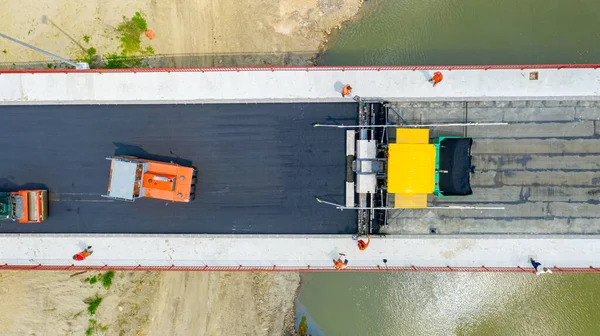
pixel 93 304
pixel 86 39
pixel 107 279
pixel 94 327
pixel 5 51
pixel 90 56
pixel 130 31
pixel 91 280
pixel 117 61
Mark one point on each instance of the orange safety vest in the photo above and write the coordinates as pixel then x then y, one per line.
pixel 362 245
pixel 437 77
pixel 81 255
pixel 346 90
pixel 339 264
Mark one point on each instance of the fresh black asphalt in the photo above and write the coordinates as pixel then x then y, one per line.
pixel 260 166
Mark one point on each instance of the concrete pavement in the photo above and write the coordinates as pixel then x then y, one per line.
pixel 231 85
pixel 299 252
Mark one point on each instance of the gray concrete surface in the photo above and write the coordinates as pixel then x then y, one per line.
pixel 543 168
pixel 259 166
pixel 284 84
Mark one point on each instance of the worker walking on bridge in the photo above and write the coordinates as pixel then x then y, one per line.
pixel 437 77
pixel 362 245
pixel 339 264
pixel 83 254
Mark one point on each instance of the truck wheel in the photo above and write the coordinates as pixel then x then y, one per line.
pixel 194 180
pixel 192 190
pixel 192 197
pixel 194 172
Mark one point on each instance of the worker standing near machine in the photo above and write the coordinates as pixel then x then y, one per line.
pixel 346 90
pixel 362 245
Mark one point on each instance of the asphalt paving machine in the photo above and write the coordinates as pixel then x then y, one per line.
pixel 396 166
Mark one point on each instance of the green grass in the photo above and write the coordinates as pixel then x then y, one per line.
pixel 107 279
pixel 95 326
pixel 90 56
pixel 130 31
pixel 5 51
pixel 116 61
pixel 91 280
pixel 93 304
pixel 86 39
pixel 90 330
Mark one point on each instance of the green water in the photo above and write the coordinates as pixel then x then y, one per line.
pixel 452 304
pixel 412 32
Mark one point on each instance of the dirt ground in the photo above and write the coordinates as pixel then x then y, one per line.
pixel 188 32
pixel 147 303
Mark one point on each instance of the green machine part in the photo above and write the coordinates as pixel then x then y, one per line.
pixel 5 206
pixel 437 143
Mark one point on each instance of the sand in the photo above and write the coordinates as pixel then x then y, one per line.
pixel 188 32
pixel 148 303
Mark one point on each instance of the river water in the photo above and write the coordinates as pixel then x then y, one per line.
pixel 414 32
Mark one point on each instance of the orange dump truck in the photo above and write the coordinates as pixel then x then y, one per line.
pixel 132 178
pixel 25 206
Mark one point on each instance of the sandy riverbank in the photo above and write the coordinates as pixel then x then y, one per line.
pixel 188 32
pixel 147 303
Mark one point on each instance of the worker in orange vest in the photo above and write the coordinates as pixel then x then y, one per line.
pixel 83 254
pixel 362 245
pixel 339 264
pixel 346 90
pixel 437 77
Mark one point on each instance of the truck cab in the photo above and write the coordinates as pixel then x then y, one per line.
pixel 25 206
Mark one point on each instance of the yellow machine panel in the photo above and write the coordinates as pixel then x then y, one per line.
pixel 411 168
pixel 412 135
pixel 410 201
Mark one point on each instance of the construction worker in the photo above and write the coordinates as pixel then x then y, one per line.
pixel 346 90
pixel 339 264
pixel 83 254
pixel 362 245
pixel 539 269
pixel 437 77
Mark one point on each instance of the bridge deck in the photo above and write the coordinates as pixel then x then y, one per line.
pixel 296 84
pixel 260 166
pixel 294 252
